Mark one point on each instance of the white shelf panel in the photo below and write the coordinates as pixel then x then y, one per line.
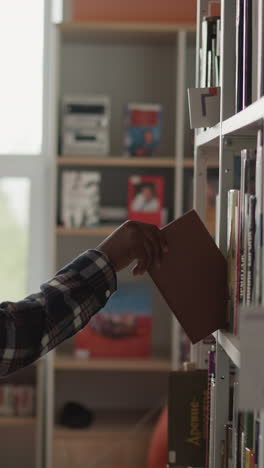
pixel 209 137
pixel 245 122
pixel 230 344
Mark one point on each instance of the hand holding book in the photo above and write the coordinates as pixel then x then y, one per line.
pixel 132 241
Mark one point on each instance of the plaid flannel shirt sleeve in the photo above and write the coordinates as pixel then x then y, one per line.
pixel 32 327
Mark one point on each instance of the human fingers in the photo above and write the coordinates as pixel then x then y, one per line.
pixel 154 237
pixel 144 256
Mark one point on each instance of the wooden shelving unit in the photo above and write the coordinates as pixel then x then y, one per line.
pixel 103 364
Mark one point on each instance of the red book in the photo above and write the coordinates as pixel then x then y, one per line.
pixel 146 199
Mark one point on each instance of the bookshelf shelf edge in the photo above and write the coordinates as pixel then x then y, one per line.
pixel 230 344
pixel 125 27
pixel 137 365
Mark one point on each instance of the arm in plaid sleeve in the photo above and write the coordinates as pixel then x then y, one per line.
pixel 32 327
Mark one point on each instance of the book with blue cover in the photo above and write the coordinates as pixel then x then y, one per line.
pixel 142 129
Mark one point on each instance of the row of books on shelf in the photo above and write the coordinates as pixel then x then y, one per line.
pixel 245 233
pixel 81 195
pixel 240 446
pixel 249 55
pixel 191 423
pixel 17 400
pixel 85 127
pixel 210 52
pixel 249 29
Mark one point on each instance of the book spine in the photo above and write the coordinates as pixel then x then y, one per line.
pixel 230 453
pixel 238 269
pixel 239 54
pixel 247 54
pixel 257 287
pixel 260 90
pixel 210 408
pixel 204 53
pixel 212 423
pixel 249 428
pixel 232 238
pixel 248 171
pixel 250 248
pixel 254 50
pixel 235 425
pixel 242 450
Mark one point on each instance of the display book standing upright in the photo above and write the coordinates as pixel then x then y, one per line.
pixel 236 422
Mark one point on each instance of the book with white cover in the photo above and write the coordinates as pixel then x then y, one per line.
pixel 80 198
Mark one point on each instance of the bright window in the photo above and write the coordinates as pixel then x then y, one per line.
pixel 14 237
pixel 21 52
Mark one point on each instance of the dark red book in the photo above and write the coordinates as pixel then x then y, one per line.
pixel 193 277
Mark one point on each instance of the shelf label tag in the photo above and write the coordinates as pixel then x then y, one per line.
pixel 204 107
pixel 251 375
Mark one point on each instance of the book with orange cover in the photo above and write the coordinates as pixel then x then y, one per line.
pixel 192 277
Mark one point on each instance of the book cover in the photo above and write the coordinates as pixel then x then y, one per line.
pixel 146 199
pixel 193 277
pixel 80 198
pixel 187 418
pixel 142 129
pixel 122 328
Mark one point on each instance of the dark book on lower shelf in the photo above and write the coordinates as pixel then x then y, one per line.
pixel 187 418
pixel 193 277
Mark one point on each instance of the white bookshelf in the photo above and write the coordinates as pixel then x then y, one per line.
pixel 224 141
pixel 230 345
pixel 208 137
